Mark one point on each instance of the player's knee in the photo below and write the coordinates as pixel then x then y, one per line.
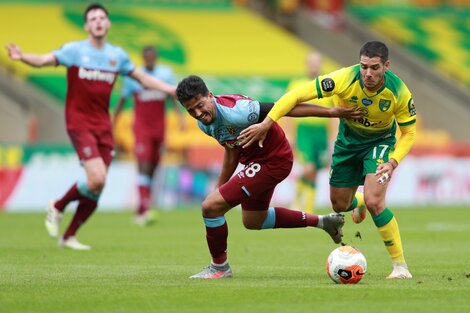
pixel 96 183
pixel 338 205
pixel 252 225
pixel 209 209
pixel 374 204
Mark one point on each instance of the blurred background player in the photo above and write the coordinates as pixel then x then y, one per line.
pixel 365 152
pixel 311 135
pixel 92 67
pixel 148 128
pixel 223 117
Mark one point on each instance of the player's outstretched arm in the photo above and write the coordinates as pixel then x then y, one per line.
pixel 307 109
pixel 151 82
pixel 36 60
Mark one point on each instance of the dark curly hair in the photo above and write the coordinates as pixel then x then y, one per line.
pixel 190 87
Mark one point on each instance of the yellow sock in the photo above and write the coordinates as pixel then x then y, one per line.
pixel 299 194
pixel 390 234
pixel 360 200
pixel 310 194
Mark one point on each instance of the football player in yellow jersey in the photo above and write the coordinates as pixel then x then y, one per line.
pixel 366 150
pixel 311 138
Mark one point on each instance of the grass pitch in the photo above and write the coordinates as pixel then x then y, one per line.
pixel 133 269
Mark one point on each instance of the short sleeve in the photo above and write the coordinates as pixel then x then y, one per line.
pixel 126 64
pixel 336 82
pixel 67 55
pixel 128 87
pixel 245 112
pixel 169 76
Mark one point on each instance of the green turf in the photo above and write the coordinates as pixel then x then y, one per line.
pixel 132 269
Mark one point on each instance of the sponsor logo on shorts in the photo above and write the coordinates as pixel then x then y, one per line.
pixel 87 151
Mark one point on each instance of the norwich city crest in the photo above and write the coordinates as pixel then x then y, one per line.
pixel 384 105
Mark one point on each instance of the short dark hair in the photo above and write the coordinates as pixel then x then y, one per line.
pixel 191 87
pixel 150 48
pixel 373 49
pixel 94 6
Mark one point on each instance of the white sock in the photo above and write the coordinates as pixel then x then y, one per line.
pixel 320 221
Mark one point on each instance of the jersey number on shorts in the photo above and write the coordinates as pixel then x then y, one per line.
pixel 252 169
pixel 382 152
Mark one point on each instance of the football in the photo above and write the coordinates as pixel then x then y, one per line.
pixel 346 265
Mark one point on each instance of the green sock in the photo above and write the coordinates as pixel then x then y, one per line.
pixel 353 205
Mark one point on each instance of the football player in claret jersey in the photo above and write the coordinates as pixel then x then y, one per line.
pixel 149 127
pixel 366 150
pixel 92 66
pixel 223 117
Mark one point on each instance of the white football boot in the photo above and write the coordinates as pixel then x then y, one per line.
pixel 73 243
pixel 400 271
pixel 52 220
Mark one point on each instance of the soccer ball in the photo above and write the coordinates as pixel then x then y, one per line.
pixel 346 265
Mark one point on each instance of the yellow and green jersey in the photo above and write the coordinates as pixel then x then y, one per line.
pixel 391 104
pixel 393 101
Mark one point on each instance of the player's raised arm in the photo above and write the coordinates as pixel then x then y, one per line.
pixel 36 60
pixel 150 82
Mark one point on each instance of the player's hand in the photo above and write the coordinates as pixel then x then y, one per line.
pixel 256 132
pixel 349 113
pixel 384 173
pixel 14 52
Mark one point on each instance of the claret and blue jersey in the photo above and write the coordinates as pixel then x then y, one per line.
pixel 149 109
pixel 235 113
pixel 91 74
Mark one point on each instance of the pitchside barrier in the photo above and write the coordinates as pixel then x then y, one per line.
pixel 28 182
